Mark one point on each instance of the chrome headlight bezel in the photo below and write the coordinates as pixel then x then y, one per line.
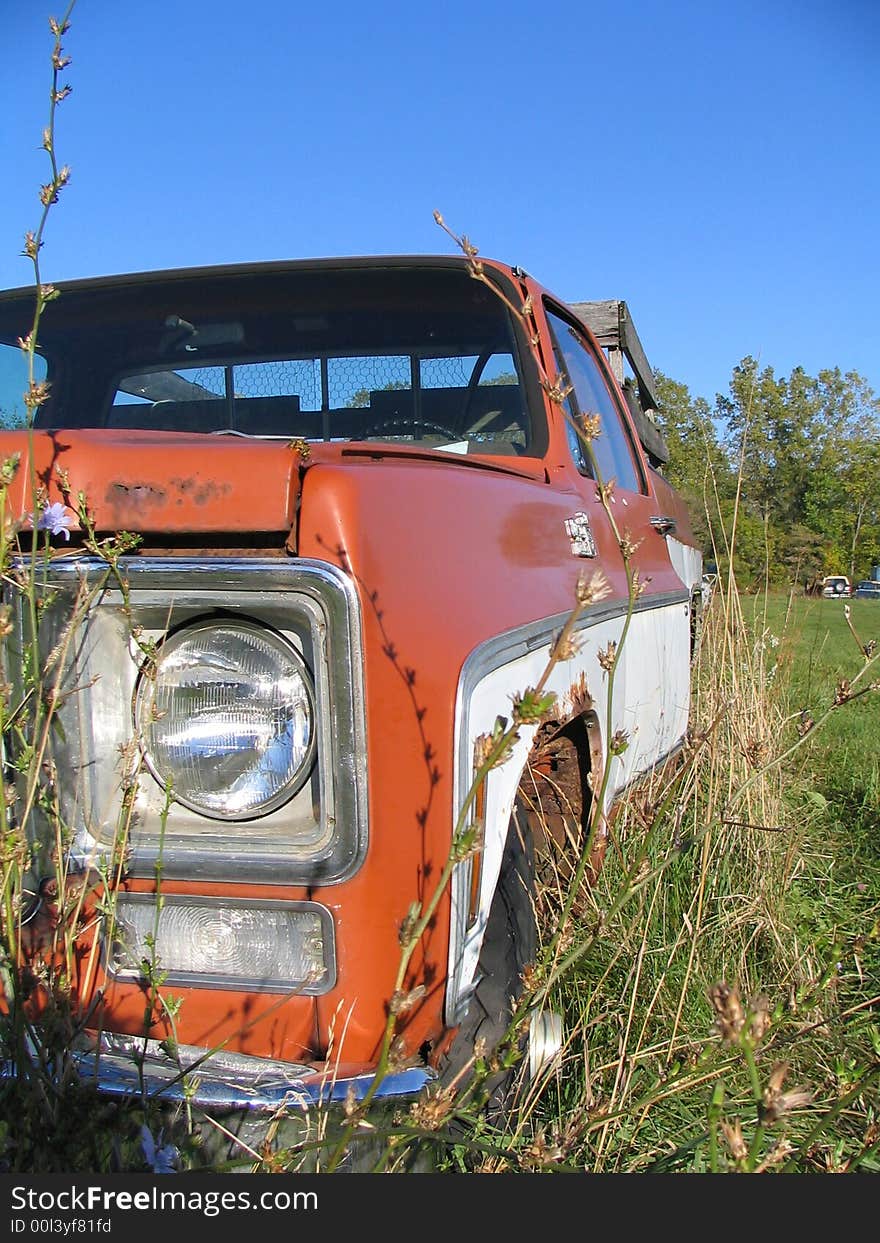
pixel 111 800
pixel 143 713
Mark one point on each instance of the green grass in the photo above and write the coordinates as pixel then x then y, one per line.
pixel 818 649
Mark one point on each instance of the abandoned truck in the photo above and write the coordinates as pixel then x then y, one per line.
pixel 364 510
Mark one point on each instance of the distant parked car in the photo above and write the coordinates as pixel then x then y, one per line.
pixel 836 587
pixel 868 590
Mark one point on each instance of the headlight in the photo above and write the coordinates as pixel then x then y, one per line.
pixel 227 718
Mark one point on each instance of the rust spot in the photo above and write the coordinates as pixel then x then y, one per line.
pixel 533 535
pixel 201 492
pixel 139 494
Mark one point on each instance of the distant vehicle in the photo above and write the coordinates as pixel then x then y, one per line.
pixel 836 587
pixel 868 590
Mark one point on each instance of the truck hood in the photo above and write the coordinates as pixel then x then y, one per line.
pixel 175 483
pixel 166 482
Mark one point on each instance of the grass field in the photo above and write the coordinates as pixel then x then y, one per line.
pixel 818 648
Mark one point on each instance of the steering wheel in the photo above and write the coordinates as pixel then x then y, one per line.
pixel 405 425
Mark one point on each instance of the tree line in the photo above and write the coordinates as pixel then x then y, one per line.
pixel 791 463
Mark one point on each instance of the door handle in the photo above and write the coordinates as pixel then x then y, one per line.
pixel 663 524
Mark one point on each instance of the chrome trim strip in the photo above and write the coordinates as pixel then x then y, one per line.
pixel 323 598
pixel 140 1069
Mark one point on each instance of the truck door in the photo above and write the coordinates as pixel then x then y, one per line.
pixel 651 685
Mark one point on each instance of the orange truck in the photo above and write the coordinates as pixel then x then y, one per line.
pixel 363 512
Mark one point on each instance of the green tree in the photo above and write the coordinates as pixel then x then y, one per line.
pixel 842 498
pixel 698 465
pixel 773 429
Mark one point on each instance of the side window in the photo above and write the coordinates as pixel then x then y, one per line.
pixel 590 395
pixel 13 385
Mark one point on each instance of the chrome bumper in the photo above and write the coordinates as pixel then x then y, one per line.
pixel 129 1066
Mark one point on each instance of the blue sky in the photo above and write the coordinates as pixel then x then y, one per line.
pixel 715 164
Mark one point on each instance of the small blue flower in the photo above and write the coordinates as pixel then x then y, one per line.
pixel 56 520
pixel 158 1156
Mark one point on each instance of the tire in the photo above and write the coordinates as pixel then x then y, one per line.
pixel 509 945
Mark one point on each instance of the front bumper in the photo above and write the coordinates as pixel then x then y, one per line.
pixel 225 1082
pixel 134 1066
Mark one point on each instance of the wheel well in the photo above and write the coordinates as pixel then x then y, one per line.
pixel 556 786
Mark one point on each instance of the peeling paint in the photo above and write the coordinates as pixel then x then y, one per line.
pixel 138 493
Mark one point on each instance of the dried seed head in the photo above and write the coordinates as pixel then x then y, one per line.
pixel 735 1142
pixel 778 1103
pixel 760 1021
pixel 629 545
pixel 592 588
pixel 483 747
pixel 638 584
pixel 556 389
pixel 9 468
pixel 398 1058
pixel 565 648
pixel 37 393
pixel 531 977
pixel 401 1001
pixel 590 426
pixel 729 1014
pixel 757 751
pixel 607 655
pixel 431 1112
pixel 542 1151
pixel 619 742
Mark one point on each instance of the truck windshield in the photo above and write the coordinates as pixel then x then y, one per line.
pixel 410 355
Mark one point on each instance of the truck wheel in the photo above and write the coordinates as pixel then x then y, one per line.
pixel 509 945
